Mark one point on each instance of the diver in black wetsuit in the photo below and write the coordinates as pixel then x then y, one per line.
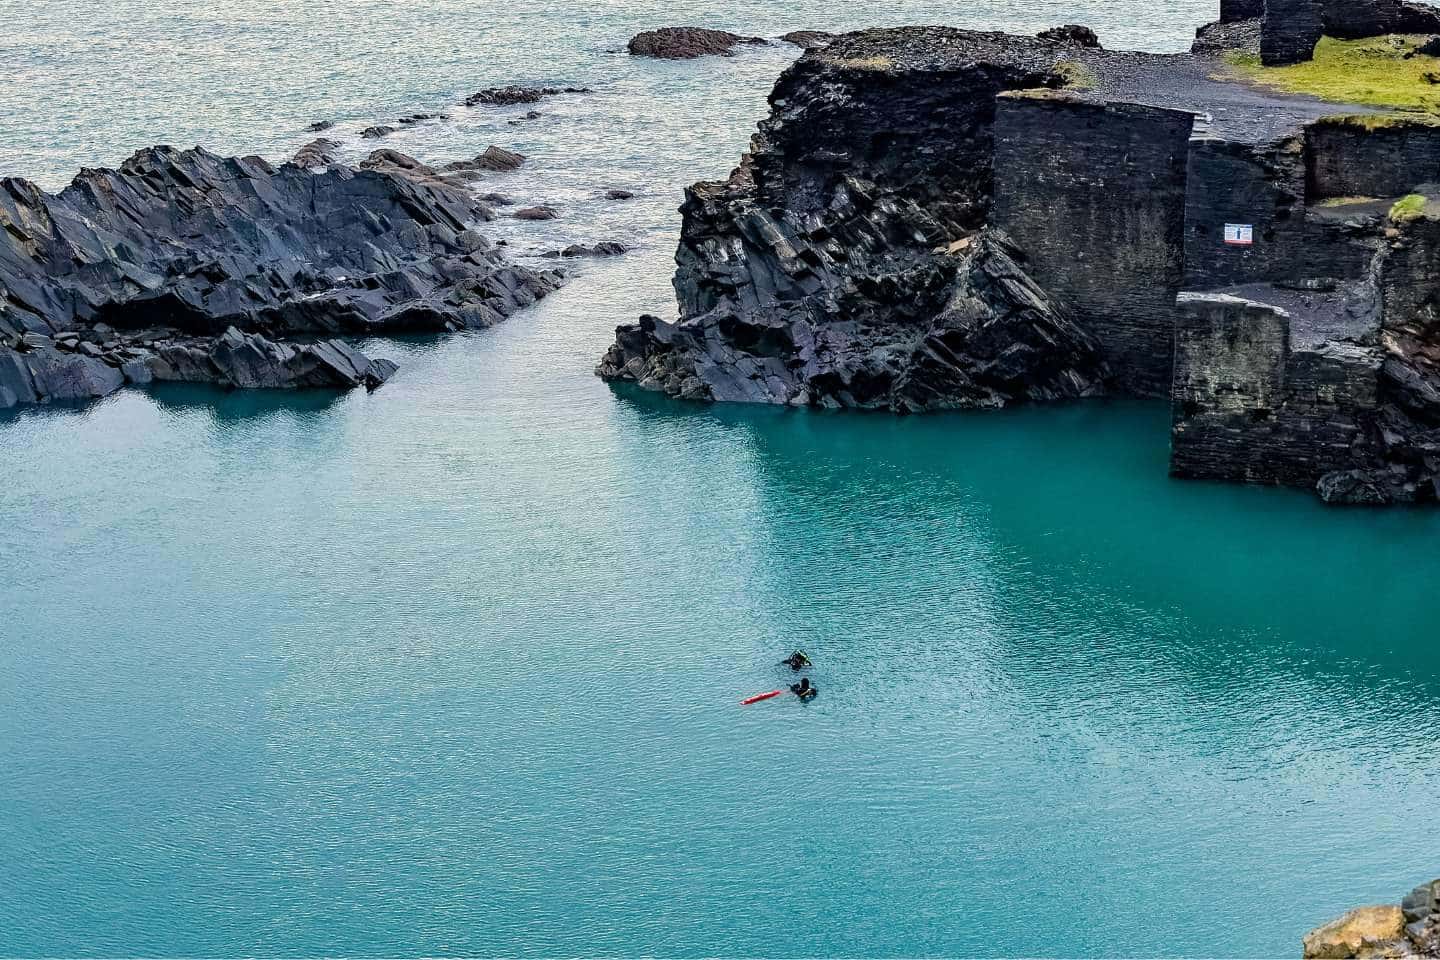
pixel 804 690
pixel 797 661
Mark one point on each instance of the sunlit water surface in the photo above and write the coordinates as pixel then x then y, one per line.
pixel 453 668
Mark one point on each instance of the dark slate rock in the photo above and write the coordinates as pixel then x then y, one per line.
pixel 619 195
pixel 377 131
pixel 1290 30
pixel 605 248
pixel 320 126
pixel 168 252
pixel 968 332
pixel 499 160
pixel 512 95
pixel 541 212
pixel 1071 34
pixel 808 39
pixel 317 153
pixel 687 43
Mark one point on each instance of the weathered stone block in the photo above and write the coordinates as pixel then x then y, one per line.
pixel 1360 157
pixel 1256 186
pixel 1291 30
pixel 1094 193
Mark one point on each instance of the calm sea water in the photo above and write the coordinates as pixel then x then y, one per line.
pixel 453 668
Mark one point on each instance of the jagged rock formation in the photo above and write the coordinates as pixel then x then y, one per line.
pixel 978 334
pixel 1169 233
pixel 1410 930
pixel 186 265
pixel 687 43
pixel 1071 33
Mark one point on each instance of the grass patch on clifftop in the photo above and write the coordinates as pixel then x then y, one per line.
pixel 1408 208
pixel 1373 72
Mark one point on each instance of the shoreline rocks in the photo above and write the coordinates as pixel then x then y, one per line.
pixel 187 265
pixel 1411 929
pixel 688 43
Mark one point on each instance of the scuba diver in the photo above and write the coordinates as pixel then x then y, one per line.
pixel 797 661
pixel 803 689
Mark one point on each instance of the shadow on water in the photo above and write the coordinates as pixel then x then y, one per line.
pixel 1083 555
pixel 234 405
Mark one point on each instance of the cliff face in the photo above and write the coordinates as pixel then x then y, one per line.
pixel 842 265
pixel 935 219
pixel 183 265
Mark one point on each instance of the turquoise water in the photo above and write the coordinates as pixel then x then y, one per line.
pixel 454 667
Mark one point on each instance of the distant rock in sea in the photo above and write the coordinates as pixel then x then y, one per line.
pixel 512 95
pixel 687 43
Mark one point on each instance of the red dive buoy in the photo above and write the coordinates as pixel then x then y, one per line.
pixel 760 696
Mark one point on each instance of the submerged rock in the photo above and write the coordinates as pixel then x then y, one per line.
pixel 687 43
pixel 377 131
pixel 619 195
pixel 176 253
pixel 320 126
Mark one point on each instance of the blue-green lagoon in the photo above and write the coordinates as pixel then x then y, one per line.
pixel 454 668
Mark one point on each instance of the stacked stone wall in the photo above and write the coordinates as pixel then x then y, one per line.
pixel 1095 196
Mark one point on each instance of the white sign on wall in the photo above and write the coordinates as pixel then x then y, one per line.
pixel 1239 234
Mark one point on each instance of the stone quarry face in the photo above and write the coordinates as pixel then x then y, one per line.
pixel 1171 235
pixel 184 265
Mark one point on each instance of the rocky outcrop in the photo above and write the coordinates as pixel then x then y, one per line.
pixel 513 95
pixel 982 335
pixel 839 266
pixel 687 43
pixel 605 248
pixel 320 152
pixel 1073 34
pixel 932 218
pixel 808 39
pixel 159 265
pixel 1411 929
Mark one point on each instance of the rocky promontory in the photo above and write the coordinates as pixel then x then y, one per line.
pixel 183 265
pixel 934 218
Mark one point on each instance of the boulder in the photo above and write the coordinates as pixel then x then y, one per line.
pixel 1071 34
pixel 605 248
pixel 687 43
pixel 808 39
pixel 619 195
pixel 317 153
pixel 499 160
pixel 1364 928
pixel 376 132
pixel 320 126
pixel 541 212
